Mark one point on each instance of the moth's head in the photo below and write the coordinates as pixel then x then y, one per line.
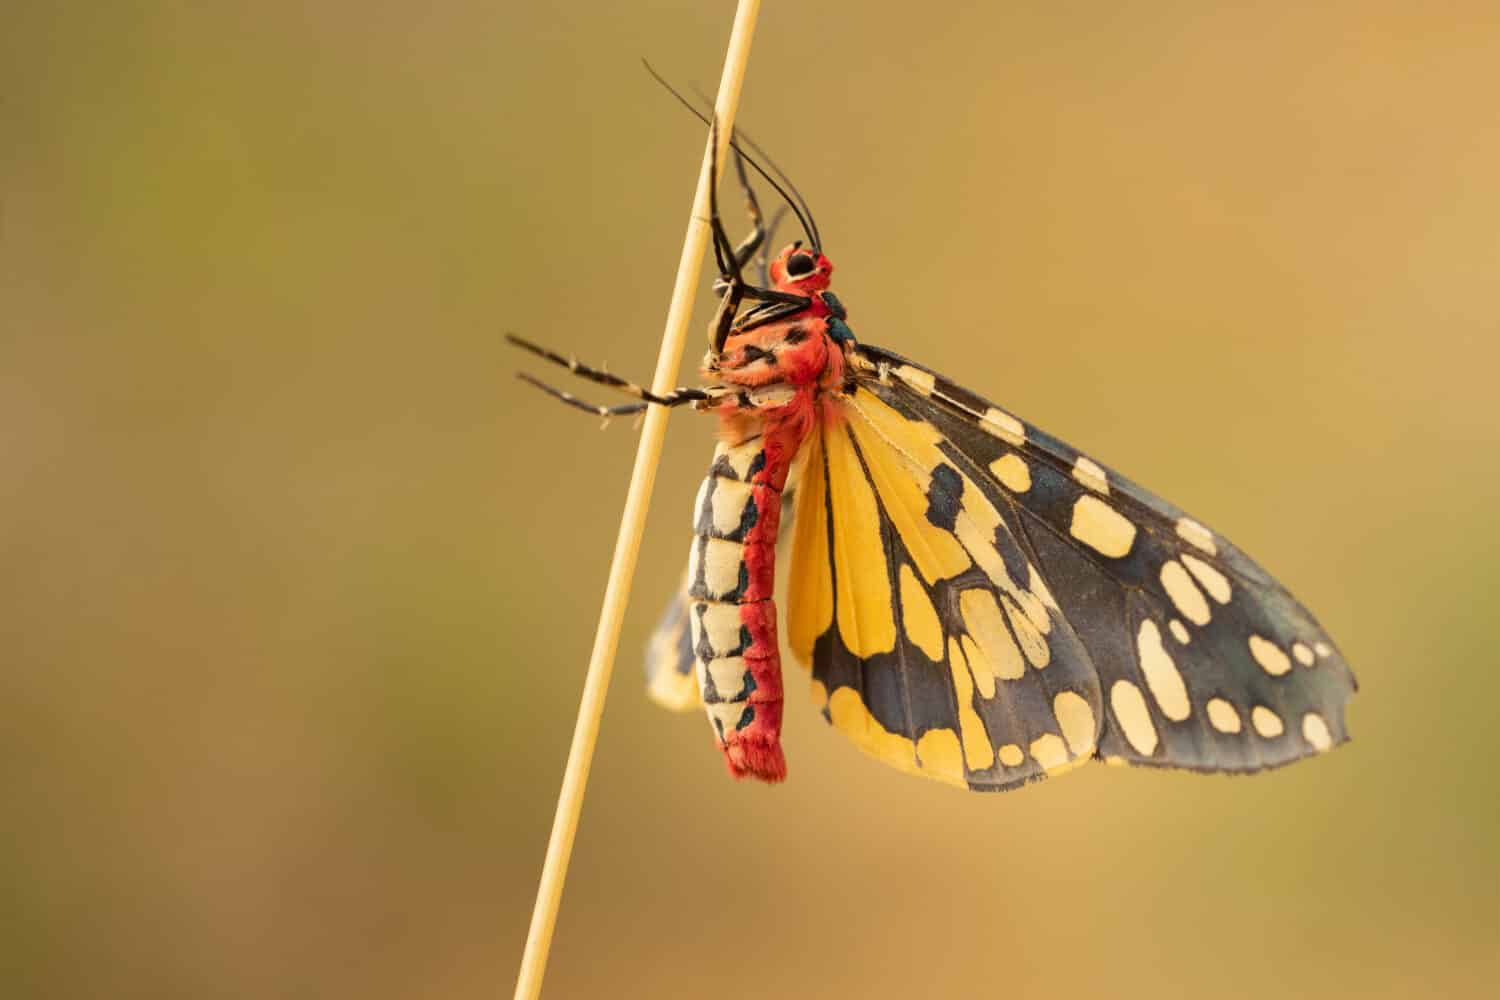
pixel 800 271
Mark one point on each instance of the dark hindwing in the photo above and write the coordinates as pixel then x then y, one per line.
pixel 1203 660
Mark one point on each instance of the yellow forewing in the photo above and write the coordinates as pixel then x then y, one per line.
pixel 881 472
pixel 937 553
pixel 866 622
pixel 810 591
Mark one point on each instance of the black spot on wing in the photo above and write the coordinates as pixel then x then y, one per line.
pixel 943 497
pixel 885 692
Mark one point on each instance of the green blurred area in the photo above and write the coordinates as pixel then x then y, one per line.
pixel 297 583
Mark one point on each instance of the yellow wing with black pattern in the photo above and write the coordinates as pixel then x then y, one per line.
pixel 983 605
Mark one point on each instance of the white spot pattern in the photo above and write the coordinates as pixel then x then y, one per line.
pixel 1135 718
pixel 1272 659
pixel 1188 599
pixel 1162 676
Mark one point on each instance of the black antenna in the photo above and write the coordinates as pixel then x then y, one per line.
pixel 741 134
pixel 808 226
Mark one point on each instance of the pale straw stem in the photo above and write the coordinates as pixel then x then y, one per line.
pixel 627 545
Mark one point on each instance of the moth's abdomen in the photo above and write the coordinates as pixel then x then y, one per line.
pixel 731 580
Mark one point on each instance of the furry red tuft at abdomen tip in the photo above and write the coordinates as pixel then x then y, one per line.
pixel 756 760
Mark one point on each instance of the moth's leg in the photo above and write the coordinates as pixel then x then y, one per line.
pixel 753 249
pixel 729 284
pixel 763 259
pixel 674 398
pixel 677 397
pixel 756 241
pixel 725 254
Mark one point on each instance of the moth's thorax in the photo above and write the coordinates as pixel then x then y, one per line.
pixel 796 350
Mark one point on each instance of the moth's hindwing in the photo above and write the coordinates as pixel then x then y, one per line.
pixel 670 679
pixel 984 605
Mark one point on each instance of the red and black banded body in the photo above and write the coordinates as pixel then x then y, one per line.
pixel 786 369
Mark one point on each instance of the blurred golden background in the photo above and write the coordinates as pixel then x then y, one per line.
pixel 298 583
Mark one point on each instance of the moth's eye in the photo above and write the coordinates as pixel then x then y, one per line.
pixel 799 264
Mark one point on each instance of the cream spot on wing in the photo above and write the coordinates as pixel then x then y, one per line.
pixel 1216 583
pixel 1038 586
pixel 1196 534
pixel 1303 653
pixel 1184 593
pixel 980 545
pixel 984 678
pixel 728 505
pixel 1101 527
pixel 919 380
pixel 1088 472
pixel 1179 631
pixel 1315 731
pixel 1035 610
pixel 1266 722
pixel 1004 426
pixel 1270 656
pixel 1012 471
pixel 1135 719
pixel 721 566
pixel 1162 676
pixel 1323 648
pixel 1032 644
pixel 1011 755
pixel 1076 720
pixel 982 620
pixel 820 694
pixel 979 755
pixel 1048 750
pixel 1223 716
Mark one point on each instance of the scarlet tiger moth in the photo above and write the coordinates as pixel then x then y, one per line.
pixel 979 603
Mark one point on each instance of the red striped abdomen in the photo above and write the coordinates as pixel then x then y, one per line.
pixel 731 580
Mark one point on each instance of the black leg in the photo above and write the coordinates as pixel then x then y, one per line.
pixel 763 259
pixel 674 398
pixel 744 399
pixel 624 409
pixel 730 279
pixel 756 241
pixel 725 253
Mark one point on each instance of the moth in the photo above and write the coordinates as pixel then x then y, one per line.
pixel 978 602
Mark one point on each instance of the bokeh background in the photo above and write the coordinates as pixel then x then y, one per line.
pixel 297 584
